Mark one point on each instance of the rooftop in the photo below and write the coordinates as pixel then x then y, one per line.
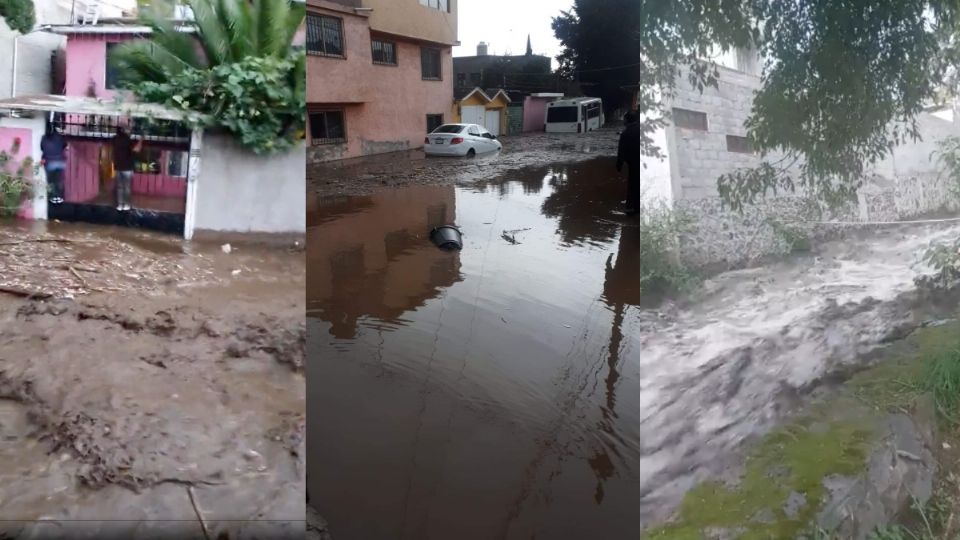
pixel 112 26
pixel 94 106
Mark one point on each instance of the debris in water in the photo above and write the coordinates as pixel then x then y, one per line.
pixel 226 248
pixel 447 237
pixel 236 272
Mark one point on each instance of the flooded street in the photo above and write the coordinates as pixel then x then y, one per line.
pixel 487 393
pixel 522 388
pixel 148 378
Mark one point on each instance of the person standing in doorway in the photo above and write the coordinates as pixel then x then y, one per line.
pixel 53 147
pixel 124 155
pixel 629 152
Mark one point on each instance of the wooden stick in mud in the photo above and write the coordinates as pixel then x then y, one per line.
pixel 30 240
pixel 196 509
pixel 24 293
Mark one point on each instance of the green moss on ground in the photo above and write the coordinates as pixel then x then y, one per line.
pixel 792 459
pixel 834 438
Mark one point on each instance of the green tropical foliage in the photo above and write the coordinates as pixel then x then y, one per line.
pixel 18 14
pixel 240 68
pixel 16 180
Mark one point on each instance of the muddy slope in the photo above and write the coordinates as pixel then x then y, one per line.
pixel 136 411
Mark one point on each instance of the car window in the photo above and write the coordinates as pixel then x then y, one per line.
pixel 449 128
pixel 474 131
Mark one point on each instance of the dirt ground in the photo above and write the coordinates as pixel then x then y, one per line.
pixel 149 388
pixel 360 176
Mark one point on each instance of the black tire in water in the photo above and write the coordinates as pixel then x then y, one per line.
pixel 471 153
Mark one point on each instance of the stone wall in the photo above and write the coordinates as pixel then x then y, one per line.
pixel 906 184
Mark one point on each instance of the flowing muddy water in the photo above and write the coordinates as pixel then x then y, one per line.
pixel 144 368
pixel 489 393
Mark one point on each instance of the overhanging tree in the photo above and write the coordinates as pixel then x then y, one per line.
pixel 843 80
pixel 240 67
pixel 19 14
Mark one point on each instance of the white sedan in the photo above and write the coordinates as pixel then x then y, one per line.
pixel 460 140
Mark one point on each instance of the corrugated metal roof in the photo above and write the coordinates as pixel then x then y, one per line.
pixel 94 106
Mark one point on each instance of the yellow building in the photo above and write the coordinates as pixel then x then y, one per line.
pixel 486 108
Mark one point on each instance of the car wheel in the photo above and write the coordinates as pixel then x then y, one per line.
pixel 471 153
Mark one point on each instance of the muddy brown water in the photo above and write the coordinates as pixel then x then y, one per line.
pixel 487 393
pixel 168 364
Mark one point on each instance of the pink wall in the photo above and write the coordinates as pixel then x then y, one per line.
pixel 534 113
pixel 86 66
pixel 86 63
pixel 82 181
pixel 386 107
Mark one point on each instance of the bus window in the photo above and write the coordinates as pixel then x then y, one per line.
pixel 561 114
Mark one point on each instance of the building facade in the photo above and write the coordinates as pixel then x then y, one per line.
pixel 706 137
pixel 519 75
pixel 379 74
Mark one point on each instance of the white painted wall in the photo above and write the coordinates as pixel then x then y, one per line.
pixel 33 53
pixel 239 191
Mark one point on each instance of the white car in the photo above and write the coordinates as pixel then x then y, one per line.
pixel 460 140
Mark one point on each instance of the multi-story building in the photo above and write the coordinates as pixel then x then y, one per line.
pixel 379 74
pixel 518 75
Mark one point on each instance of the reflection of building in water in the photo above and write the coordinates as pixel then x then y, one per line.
pixel 581 193
pixel 376 259
pixel 621 288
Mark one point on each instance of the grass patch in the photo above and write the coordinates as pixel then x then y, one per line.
pixel 794 458
pixel 927 362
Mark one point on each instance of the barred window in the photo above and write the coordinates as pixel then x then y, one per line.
pixel 384 52
pixel 324 35
pixel 430 63
pixel 327 127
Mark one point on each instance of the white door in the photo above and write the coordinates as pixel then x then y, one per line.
pixel 472 114
pixel 493 122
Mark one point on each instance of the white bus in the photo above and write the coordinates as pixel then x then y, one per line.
pixel 575 115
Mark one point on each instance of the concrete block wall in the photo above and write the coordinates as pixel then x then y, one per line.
pixel 239 191
pixel 906 184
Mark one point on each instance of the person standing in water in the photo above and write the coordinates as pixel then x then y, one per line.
pixel 124 156
pixel 628 152
pixel 53 147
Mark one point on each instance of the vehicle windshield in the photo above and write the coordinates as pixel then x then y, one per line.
pixel 562 114
pixel 449 128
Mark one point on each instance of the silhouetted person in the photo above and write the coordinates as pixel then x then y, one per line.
pixel 124 155
pixel 629 152
pixel 53 147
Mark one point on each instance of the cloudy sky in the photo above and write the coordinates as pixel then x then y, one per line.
pixel 504 24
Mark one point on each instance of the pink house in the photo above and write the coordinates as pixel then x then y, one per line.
pixel 535 110
pixel 160 181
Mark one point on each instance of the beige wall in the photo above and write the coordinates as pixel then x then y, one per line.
pixel 411 19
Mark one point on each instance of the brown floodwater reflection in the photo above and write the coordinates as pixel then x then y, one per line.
pixel 482 394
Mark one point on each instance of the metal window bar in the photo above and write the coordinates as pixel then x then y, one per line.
pixel 324 35
pixel 314 34
pixel 384 52
pixel 105 127
pixel 321 130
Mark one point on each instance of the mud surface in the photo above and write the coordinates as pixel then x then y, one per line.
pixel 362 176
pixel 168 376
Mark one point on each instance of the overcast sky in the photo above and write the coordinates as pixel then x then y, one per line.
pixel 504 24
